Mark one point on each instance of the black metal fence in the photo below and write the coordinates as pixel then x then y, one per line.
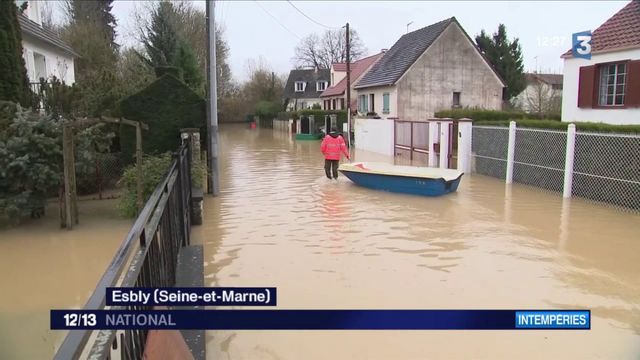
pixel 147 257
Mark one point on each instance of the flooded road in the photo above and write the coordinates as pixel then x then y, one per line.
pixel 333 245
pixel 43 267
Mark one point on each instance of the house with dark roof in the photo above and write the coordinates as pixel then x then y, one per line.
pixel 45 54
pixel 335 97
pixel 606 88
pixel 542 95
pixel 434 68
pixel 304 87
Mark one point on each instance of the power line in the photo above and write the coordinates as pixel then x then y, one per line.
pixel 278 21
pixel 305 15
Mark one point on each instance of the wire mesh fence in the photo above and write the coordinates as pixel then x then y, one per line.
pixel 607 168
pixel 101 180
pixel 489 148
pixel 539 158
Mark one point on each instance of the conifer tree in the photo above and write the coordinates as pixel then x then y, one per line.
pixel 506 58
pixel 14 83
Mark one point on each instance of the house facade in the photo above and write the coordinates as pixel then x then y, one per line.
pixel 304 87
pixel 335 97
pixel 543 93
pixel 44 53
pixel 431 69
pixel 606 88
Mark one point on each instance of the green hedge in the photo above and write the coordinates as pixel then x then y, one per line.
pixel 318 114
pixel 166 105
pixel 555 125
pixel 480 114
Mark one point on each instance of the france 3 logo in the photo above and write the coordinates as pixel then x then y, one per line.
pixel 581 45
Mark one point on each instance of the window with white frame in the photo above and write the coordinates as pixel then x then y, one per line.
pixel 612 84
pixel 300 86
pixel 321 85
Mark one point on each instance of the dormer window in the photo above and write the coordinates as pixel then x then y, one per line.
pixel 300 85
pixel 321 85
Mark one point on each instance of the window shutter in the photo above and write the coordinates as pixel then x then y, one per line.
pixel 587 86
pixel 632 86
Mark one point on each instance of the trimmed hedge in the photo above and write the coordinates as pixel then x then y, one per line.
pixel 481 114
pixel 166 105
pixel 556 125
pixel 318 114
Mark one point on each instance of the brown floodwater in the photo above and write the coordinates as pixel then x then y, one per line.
pixel 43 267
pixel 279 222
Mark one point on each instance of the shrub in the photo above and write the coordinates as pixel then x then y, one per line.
pixel 154 169
pixel 166 105
pixel 30 161
pixel 267 109
pixel 316 107
pixel 481 114
pixel 556 125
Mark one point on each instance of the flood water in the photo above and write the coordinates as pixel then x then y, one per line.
pixel 333 245
pixel 43 267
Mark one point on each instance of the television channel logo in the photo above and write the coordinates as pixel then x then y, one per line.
pixel 581 45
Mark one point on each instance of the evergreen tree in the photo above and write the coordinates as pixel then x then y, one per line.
pixel 97 12
pixel 14 84
pixel 165 47
pixel 506 58
pixel 91 33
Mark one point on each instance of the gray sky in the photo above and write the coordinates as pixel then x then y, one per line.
pixel 543 27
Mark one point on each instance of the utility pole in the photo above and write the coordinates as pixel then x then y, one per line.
pixel 213 185
pixel 348 90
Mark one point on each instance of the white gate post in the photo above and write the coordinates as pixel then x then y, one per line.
pixel 444 144
pixel 568 161
pixel 464 145
pixel 511 152
pixel 433 135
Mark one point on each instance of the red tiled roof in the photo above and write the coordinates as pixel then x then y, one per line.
pixel 340 67
pixel 620 31
pixel 551 79
pixel 358 69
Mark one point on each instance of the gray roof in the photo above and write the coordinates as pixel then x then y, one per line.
pixel 32 28
pixel 310 76
pixel 397 60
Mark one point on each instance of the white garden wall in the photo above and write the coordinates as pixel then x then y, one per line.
pixel 375 135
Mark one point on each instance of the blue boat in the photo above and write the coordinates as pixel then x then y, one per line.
pixel 403 179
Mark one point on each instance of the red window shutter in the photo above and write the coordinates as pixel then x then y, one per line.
pixel 632 87
pixel 587 86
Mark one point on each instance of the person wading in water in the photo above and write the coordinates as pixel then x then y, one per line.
pixel 332 147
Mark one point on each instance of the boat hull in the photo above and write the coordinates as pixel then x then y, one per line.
pixel 403 184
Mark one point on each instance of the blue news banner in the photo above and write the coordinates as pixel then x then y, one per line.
pixel 293 319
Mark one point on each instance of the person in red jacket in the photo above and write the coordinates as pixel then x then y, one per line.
pixel 332 147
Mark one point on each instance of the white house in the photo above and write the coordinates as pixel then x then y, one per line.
pixel 606 88
pixel 45 54
pixel 431 69
pixel 542 94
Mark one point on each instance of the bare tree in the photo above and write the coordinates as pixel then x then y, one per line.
pixel 541 99
pixel 322 51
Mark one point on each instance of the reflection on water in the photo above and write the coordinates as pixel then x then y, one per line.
pixel 327 244
pixel 43 267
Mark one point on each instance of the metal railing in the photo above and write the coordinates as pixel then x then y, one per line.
pixel 149 253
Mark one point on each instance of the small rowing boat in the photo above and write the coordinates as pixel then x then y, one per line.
pixel 403 179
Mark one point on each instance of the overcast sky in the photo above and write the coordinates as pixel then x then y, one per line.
pixel 257 29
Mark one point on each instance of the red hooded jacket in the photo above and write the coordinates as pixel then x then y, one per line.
pixel 332 145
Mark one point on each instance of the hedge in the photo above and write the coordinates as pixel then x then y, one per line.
pixel 480 114
pixel 166 105
pixel 556 125
pixel 318 114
